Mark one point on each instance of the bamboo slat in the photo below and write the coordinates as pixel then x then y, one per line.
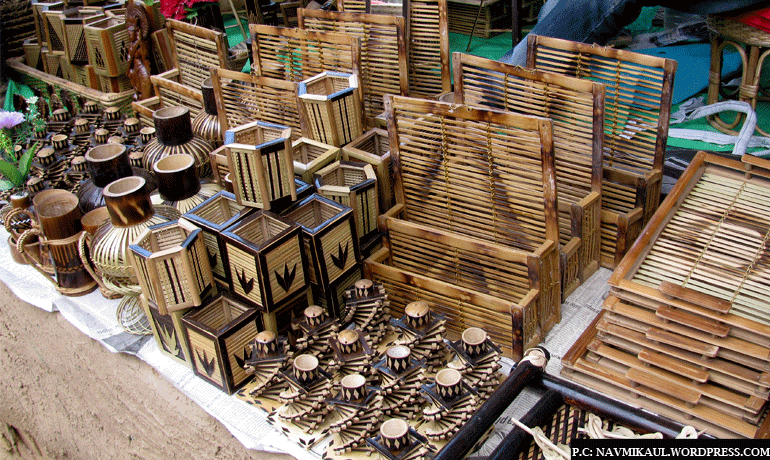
pixel 384 57
pixel 428 40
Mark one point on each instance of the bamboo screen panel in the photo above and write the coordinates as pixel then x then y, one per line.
pixel 383 51
pixel 477 172
pixel 428 34
pixel 196 49
pixel 296 55
pixel 717 243
pixel 638 96
pixel 575 107
pixel 243 98
pixel 352 6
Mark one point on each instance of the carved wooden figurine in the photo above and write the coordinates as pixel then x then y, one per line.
pixel 138 28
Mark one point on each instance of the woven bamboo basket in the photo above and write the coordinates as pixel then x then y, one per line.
pixel 296 55
pixel 172 266
pixel 384 56
pixel 265 257
pixel 636 116
pixel 42 81
pixel 373 147
pixel 483 174
pixel 108 43
pixel 329 234
pixel 577 110
pixel 73 22
pixel 355 186
pixel 219 336
pixel 261 163
pixel 213 216
pixel 311 156
pixel 685 330
pixel 243 98
pixel 331 107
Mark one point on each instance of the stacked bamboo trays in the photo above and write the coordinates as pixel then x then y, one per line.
pixel 194 50
pixel 685 331
pixel 242 98
pixel 577 109
pixel 40 80
pixel 636 117
pixel 384 57
pixel 475 227
pixel 493 16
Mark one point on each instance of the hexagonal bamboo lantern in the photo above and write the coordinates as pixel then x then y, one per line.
pixel 172 265
pixel 310 156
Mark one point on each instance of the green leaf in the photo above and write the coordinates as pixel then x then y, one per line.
pixel 11 173
pixel 6 184
pixel 25 162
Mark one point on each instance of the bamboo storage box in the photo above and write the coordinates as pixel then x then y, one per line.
pixel 169 332
pixel 333 298
pixel 108 44
pixel 261 163
pixel 373 147
pixel 74 20
pixel 332 107
pixel 354 185
pixel 329 235
pixel 219 336
pixel 32 53
pixel 40 7
pixel 172 265
pixel 213 216
pixel 265 259
pixel 310 156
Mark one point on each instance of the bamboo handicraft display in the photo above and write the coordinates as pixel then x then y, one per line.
pixel 332 107
pixel 384 57
pixel 577 110
pixel 636 117
pixel 684 332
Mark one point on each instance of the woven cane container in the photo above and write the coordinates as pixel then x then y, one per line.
pixel 355 186
pixel 172 266
pixel 212 217
pixel 265 257
pixel 310 156
pixel 329 233
pixel 32 51
pixel 218 335
pixel 39 8
pixel 73 23
pixel 86 77
pixel 261 163
pixel 332 107
pixel 169 333
pixel 54 28
pixel 373 147
pixel 107 41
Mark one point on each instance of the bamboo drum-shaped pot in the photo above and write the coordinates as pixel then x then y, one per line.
pixel 174 135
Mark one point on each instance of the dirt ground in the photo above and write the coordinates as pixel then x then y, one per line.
pixel 64 396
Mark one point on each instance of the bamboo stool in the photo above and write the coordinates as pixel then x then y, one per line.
pixel 754 47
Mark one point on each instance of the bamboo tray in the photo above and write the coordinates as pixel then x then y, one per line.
pixel 687 325
pixel 41 80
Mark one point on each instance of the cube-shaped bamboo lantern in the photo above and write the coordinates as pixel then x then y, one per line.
pixel 73 23
pixel 354 185
pixel 329 232
pixel 373 147
pixel 265 257
pixel 218 335
pixel 169 333
pixel 310 156
pixel 261 163
pixel 332 107
pixel 108 44
pixel 172 265
pixel 213 216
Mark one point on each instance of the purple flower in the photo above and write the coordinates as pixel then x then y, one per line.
pixel 10 119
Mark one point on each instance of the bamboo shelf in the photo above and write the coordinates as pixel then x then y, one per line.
pixel 577 110
pixel 686 330
pixel 636 118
